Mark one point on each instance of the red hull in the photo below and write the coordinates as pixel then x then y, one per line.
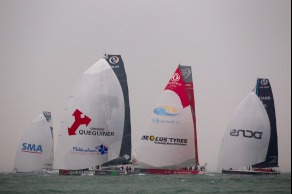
pixel 171 172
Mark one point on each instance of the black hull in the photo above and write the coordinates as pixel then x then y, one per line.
pixel 249 172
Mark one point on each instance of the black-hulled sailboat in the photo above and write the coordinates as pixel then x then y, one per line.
pixel 250 145
pixel 95 135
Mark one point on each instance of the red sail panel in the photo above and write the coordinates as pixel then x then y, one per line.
pixel 188 81
pixel 177 85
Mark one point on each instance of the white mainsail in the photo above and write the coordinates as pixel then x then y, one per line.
pixel 34 151
pixel 246 140
pixel 167 142
pixel 92 130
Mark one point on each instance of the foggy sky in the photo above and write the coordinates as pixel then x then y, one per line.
pixel 46 45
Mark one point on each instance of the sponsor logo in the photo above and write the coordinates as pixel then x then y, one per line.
pixel 102 149
pixel 114 60
pixel 164 121
pixel 32 148
pixel 166 111
pixel 76 172
pixel 175 81
pixel 273 159
pixel 186 72
pixel 264 82
pixel 175 78
pixel 85 120
pixel 47 115
pixel 99 150
pixel 127 157
pixel 246 133
pixel 96 132
pixel 165 140
pixel 265 98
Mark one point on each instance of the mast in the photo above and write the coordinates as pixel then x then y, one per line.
pixel 186 72
pixel 264 92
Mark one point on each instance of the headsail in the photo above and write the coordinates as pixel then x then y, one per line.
pixel 246 140
pixel 167 142
pixel 96 127
pixel 264 92
pixel 35 149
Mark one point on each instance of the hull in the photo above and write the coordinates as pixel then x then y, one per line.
pixel 74 172
pixel 114 172
pixel 250 172
pixel 92 172
pixel 171 172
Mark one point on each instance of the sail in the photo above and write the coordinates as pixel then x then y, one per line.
pixel 96 127
pixel 34 151
pixel 264 92
pixel 188 80
pixel 246 140
pixel 48 116
pixel 117 65
pixel 167 142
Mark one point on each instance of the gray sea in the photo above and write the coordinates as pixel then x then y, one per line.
pixel 210 183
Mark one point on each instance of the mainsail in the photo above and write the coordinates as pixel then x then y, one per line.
pixel 246 140
pixel 168 141
pixel 188 80
pixel 35 149
pixel 264 92
pixel 96 128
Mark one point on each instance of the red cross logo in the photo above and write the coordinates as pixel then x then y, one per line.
pixel 78 122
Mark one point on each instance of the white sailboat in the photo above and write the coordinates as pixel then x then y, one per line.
pixel 96 129
pixel 35 149
pixel 168 143
pixel 250 143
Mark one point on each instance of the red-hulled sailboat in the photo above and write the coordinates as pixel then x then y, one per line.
pixel 168 145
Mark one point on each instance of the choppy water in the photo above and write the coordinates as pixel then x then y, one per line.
pixel 211 183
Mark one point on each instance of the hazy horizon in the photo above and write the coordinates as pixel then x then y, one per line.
pixel 46 45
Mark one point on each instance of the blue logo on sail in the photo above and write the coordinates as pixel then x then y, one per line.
pixel 102 149
pixel 98 150
pixel 166 111
pixel 32 148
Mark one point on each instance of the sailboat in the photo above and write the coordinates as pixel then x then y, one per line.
pixel 250 144
pixel 168 144
pixel 35 150
pixel 96 130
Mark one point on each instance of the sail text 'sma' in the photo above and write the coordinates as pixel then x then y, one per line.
pixel 35 149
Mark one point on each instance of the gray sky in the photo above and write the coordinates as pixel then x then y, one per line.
pixel 46 45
